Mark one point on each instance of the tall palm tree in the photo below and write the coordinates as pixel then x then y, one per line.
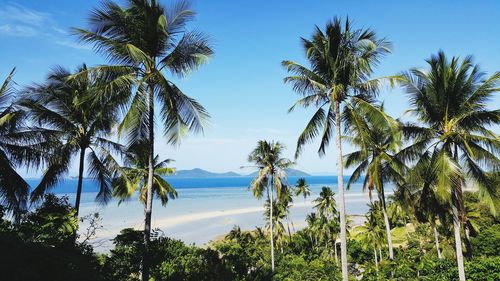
pixel 450 101
pixel 69 111
pixel 133 176
pixel 375 160
pixel 341 59
pixel 147 39
pixel 14 190
pixel 267 157
pixel 302 188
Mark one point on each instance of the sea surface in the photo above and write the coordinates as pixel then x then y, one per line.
pixel 205 209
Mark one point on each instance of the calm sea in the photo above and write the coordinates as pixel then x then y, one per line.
pixel 205 208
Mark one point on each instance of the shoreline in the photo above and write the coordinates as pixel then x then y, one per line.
pixel 104 236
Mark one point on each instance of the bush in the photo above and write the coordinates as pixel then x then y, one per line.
pixel 41 246
pixel 293 268
pixel 169 260
pixel 487 243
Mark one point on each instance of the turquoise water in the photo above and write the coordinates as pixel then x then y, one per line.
pixel 191 217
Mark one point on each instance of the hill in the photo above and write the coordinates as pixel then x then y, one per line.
pixel 200 173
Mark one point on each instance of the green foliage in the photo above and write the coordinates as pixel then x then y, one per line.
pixel 41 246
pixel 292 267
pixel 487 243
pixel 487 269
pixel 169 260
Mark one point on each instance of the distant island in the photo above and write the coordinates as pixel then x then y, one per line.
pixel 200 173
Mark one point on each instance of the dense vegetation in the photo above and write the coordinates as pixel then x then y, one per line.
pixel 432 228
pixel 44 240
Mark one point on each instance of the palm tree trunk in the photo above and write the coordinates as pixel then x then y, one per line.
pixel 149 192
pixel 387 226
pixel 80 183
pixel 468 244
pixel 376 260
pixel 380 253
pixel 458 241
pixel 456 203
pixel 436 238
pixel 271 226
pixel 340 180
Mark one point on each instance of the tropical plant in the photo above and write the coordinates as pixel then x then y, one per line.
pixel 147 40
pixel 271 177
pixel 450 102
pixel 302 188
pixel 341 59
pixel 377 144
pixel 69 111
pixel 325 204
pixel 133 177
pixel 371 232
pixel 14 190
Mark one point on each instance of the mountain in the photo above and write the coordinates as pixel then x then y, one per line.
pixel 200 173
pixel 289 172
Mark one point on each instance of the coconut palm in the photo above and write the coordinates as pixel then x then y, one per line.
pixel 14 190
pixel 312 221
pixel 302 188
pixel 325 204
pixel 375 160
pixel 68 111
pixel 147 39
pixel 133 177
pixel 341 60
pixel 371 232
pixel 271 177
pixel 417 196
pixel 450 102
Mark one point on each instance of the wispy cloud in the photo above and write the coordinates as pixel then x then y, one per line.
pixel 267 131
pixel 19 21
pixel 16 20
pixel 74 45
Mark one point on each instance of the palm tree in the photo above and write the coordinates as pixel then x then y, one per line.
pixel 147 39
pixel 375 159
pixel 134 175
pixel 271 177
pixel 371 232
pixel 325 204
pixel 69 111
pixel 302 188
pixel 450 100
pixel 14 190
pixel 341 60
pixel 417 196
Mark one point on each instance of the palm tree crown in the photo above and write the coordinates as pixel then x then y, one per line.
pixel 133 176
pixel 76 113
pixel 14 190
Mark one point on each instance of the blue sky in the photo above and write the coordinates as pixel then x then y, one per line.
pixel 242 86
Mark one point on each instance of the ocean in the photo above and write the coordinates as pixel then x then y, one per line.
pixel 205 209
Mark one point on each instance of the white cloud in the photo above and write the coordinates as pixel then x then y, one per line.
pixel 71 44
pixel 19 21
pixel 18 30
